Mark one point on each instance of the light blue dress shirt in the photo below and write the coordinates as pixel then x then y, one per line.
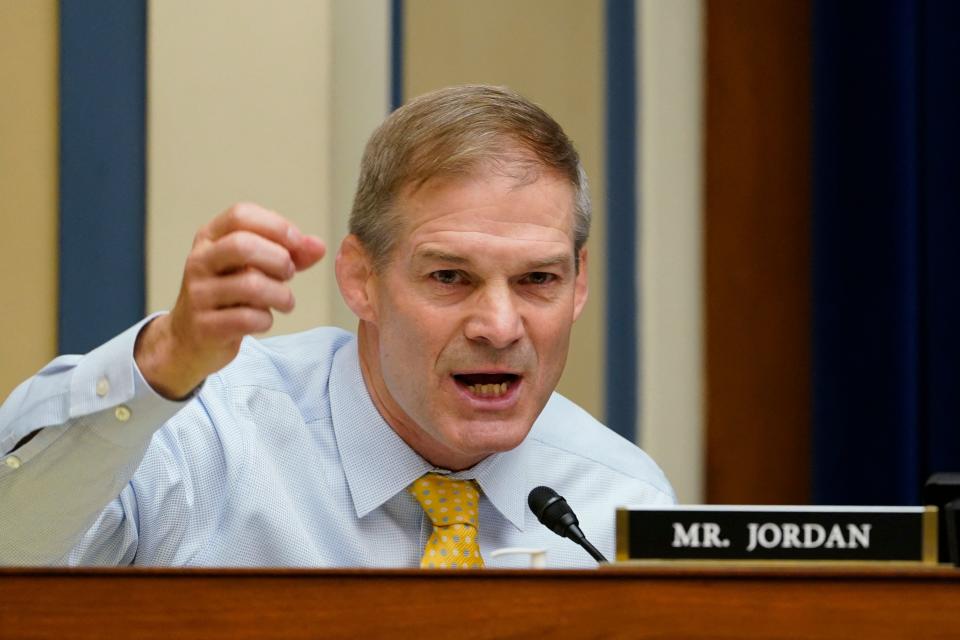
pixel 281 459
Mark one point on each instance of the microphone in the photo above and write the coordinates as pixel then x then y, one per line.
pixel 554 513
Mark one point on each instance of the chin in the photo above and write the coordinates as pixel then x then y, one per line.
pixel 490 438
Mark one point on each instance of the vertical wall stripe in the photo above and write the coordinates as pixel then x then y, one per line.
pixel 28 182
pixel 241 111
pixel 670 109
pixel 102 147
pixel 621 335
pixel 757 251
pixel 360 100
pixel 396 53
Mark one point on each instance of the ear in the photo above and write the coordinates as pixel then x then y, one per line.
pixel 354 269
pixel 580 287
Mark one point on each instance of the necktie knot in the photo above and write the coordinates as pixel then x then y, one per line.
pixel 447 501
pixel 453 507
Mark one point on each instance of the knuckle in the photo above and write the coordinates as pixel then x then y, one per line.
pixel 190 266
pixel 252 283
pixel 236 214
pixel 239 243
pixel 243 211
pixel 266 321
pixel 195 291
pixel 195 262
pixel 256 320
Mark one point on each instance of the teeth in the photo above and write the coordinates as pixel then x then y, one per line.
pixel 489 390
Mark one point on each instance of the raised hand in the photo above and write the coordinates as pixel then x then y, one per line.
pixel 235 276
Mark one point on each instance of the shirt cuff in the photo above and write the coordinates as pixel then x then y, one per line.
pixel 116 401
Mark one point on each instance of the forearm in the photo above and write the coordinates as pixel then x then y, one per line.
pixel 93 418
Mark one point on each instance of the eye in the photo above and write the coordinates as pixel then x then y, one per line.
pixel 539 278
pixel 447 276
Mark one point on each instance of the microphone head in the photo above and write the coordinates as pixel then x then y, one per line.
pixel 552 511
pixel 539 498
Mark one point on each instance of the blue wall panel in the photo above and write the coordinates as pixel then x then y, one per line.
pixel 621 139
pixel 102 169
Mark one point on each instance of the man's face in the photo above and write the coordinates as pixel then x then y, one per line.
pixel 470 320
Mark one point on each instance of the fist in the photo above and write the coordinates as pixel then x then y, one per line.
pixel 235 276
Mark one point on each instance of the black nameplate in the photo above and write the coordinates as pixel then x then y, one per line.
pixel 708 532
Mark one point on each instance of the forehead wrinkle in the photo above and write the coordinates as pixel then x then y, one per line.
pixel 456 236
pixel 425 252
pixel 475 240
pixel 442 256
pixel 468 219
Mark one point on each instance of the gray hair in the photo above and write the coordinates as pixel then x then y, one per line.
pixel 454 131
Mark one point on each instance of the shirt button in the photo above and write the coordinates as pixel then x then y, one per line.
pixel 103 387
pixel 122 413
pixel 13 462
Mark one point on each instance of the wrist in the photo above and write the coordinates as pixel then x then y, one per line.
pixel 162 361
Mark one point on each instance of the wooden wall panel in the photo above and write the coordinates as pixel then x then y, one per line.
pixel 757 245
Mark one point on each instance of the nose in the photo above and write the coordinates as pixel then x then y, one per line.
pixel 494 319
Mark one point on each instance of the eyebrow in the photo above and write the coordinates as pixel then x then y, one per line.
pixel 441 256
pixel 452 258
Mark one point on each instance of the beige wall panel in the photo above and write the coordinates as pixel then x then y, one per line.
pixel 552 51
pixel 670 154
pixel 28 187
pixel 361 100
pixel 238 110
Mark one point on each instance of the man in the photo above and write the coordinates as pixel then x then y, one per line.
pixel 184 442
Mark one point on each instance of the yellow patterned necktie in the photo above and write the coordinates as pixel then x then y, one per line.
pixel 452 506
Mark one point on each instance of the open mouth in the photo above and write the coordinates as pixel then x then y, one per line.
pixel 487 385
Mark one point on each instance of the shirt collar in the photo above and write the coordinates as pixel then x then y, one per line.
pixel 503 479
pixel 378 464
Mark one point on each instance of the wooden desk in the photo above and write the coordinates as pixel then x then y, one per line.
pixel 648 602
